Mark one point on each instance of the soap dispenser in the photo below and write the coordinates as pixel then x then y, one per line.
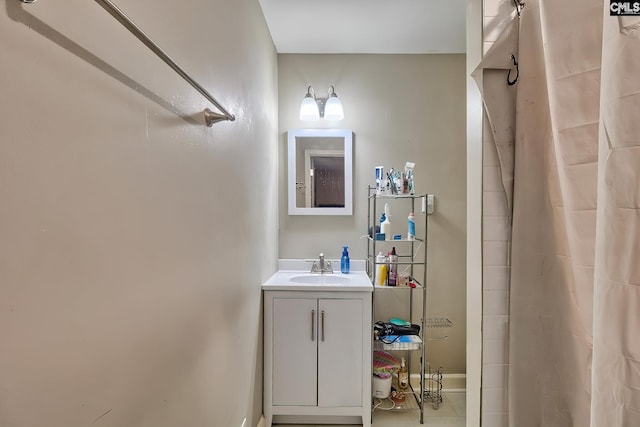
pixel 344 261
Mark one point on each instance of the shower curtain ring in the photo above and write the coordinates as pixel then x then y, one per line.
pixel 515 64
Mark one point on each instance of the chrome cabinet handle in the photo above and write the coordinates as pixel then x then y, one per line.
pixel 313 325
pixel 322 317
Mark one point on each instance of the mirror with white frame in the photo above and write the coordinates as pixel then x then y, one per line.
pixel 319 177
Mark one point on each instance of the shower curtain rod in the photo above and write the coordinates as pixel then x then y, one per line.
pixel 210 117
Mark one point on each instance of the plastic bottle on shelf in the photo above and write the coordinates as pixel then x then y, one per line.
pixel 411 227
pixel 381 270
pixel 403 376
pixel 344 261
pixel 387 214
pixel 393 267
pixel 380 187
pixel 385 227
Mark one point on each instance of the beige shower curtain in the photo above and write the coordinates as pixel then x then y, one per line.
pixel 573 162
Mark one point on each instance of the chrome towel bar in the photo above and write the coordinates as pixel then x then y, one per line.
pixel 210 117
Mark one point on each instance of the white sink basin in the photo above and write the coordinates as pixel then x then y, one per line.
pixel 320 279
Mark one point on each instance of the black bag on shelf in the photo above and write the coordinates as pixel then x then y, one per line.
pixel 384 329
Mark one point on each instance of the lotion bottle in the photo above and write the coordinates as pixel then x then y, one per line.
pixel 411 227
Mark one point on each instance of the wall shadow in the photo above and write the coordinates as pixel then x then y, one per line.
pixel 17 13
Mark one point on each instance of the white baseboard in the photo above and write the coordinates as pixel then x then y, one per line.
pixel 261 422
pixel 450 382
pixel 454 382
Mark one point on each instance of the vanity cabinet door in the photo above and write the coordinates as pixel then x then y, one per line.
pixel 340 351
pixel 295 351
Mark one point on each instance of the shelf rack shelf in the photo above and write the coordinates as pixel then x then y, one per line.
pixel 391 344
pixel 407 250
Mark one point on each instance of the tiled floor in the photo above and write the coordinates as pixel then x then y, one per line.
pixel 451 413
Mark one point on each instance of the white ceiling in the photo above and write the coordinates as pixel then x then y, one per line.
pixel 366 26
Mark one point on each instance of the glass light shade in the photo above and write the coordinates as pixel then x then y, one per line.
pixel 333 108
pixel 309 109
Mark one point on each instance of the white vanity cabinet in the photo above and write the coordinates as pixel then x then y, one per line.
pixel 317 356
pixel 317 352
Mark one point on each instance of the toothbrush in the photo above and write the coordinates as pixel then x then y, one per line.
pixel 394 190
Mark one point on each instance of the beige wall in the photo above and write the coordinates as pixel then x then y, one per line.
pixel 401 108
pixel 126 227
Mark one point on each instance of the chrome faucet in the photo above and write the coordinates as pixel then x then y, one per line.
pixel 321 266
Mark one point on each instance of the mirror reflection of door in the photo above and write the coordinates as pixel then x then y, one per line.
pixel 320 171
pixel 328 182
pixel 324 178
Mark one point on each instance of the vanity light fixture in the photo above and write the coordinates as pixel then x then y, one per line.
pixel 313 108
pixel 309 109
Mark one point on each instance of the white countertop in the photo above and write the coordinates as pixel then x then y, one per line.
pixel 294 275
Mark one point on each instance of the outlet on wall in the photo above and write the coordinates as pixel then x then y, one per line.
pixel 428 204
